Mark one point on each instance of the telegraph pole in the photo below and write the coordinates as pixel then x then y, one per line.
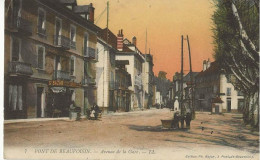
pixel 192 84
pixel 181 100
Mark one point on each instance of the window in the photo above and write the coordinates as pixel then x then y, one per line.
pixel 17 4
pixel 228 91
pixel 41 21
pixel 85 44
pixel 72 66
pixel 15 100
pixel 72 37
pixel 240 93
pixel 240 105
pixel 228 78
pixel 41 57
pixel 16 47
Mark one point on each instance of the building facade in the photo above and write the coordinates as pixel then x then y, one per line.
pixel 211 85
pixel 148 77
pixel 128 51
pixel 49 59
pixel 106 70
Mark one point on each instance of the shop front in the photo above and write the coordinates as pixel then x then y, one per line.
pixel 60 96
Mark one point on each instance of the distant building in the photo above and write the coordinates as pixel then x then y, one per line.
pixel 176 87
pixel 162 90
pixel 148 76
pixel 212 86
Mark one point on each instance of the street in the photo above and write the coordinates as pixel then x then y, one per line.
pixel 215 135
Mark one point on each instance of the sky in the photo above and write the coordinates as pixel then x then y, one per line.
pixel 166 21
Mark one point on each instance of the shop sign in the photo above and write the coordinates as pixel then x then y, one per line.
pixel 63 83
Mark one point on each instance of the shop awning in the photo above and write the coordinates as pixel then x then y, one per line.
pixel 58 89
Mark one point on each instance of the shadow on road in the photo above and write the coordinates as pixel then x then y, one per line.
pixel 155 129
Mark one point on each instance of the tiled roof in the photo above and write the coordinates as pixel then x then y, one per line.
pixel 112 39
pixel 212 70
pixel 186 78
pixel 126 49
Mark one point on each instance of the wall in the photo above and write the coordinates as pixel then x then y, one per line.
pixel 234 97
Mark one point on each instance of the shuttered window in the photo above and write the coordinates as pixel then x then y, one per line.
pixel 41 57
pixel 15 49
pixel 72 66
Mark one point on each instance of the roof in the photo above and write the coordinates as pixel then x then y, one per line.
pixel 186 78
pixel 81 9
pixel 212 70
pixel 126 48
pixel 68 1
pixel 112 39
pixel 217 100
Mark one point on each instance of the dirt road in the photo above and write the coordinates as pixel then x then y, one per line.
pixel 138 133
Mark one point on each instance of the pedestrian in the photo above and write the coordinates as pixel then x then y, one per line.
pixel 188 119
pixel 176 119
pixel 97 111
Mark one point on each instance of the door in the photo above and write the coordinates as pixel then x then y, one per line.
pixel 228 105
pixel 40 102
pixel 217 109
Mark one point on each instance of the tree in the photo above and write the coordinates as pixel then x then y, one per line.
pixel 162 75
pixel 236 39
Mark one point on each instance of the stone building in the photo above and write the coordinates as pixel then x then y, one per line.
pixel 211 85
pixel 128 51
pixel 50 57
pixel 122 93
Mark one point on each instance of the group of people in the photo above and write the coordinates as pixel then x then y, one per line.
pixel 181 118
pixel 94 112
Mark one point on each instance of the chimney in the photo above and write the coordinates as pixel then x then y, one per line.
pixel 134 40
pixel 91 13
pixel 208 63
pixel 204 65
pixel 120 38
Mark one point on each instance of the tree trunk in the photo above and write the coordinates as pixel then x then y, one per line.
pixel 254 109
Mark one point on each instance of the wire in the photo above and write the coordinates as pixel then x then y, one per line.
pixel 99 17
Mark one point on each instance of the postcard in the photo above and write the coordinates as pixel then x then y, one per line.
pixel 131 80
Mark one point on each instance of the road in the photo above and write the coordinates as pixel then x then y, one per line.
pixel 133 135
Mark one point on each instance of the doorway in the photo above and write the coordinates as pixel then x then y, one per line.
pixel 228 105
pixel 217 109
pixel 40 102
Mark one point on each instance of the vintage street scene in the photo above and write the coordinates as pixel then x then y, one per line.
pixel 135 80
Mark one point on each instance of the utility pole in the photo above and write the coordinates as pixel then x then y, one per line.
pixel 181 100
pixel 105 59
pixel 192 85
pixel 144 72
pixel 107 18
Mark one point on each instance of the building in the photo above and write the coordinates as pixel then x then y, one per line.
pixel 213 86
pixel 148 80
pixel 50 58
pixel 162 91
pixel 122 94
pixel 128 51
pixel 105 74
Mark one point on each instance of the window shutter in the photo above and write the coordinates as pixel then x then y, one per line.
pixel 40 58
pixel 72 65
pixel 15 49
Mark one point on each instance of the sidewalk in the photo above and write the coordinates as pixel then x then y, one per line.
pixel 34 120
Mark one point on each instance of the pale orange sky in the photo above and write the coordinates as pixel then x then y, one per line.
pixel 166 21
